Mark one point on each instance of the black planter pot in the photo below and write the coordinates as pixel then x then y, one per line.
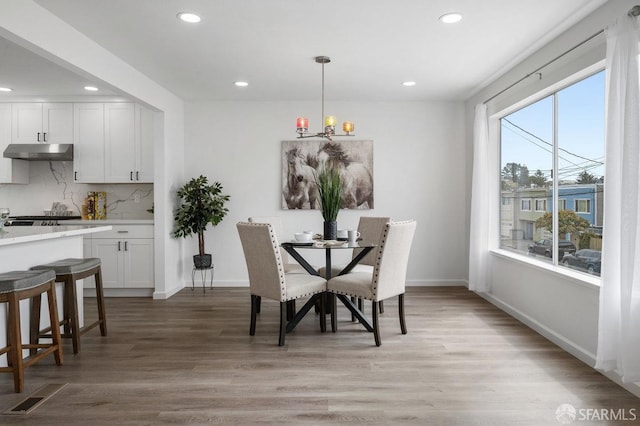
pixel 202 261
pixel 331 230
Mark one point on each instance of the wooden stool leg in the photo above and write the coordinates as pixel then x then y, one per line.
pixel 34 333
pixel 100 298
pixel 55 324
pixel 71 303
pixel 15 337
pixel 68 307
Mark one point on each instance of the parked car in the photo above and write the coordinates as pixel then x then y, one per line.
pixel 545 247
pixel 588 260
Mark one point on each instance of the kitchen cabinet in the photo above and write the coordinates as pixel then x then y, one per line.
pixel 88 142
pixel 11 171
pixel 145 137
pixel 126 253
pixel 42 122
pixel 115 143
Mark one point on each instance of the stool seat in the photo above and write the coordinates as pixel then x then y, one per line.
pixel 24 280
pixel 71 265
pixel 14 287
pixel 69 271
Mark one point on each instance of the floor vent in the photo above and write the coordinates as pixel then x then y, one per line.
pixel 34 400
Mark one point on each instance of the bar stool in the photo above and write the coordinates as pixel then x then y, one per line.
pixel 68 271
pixel 14 287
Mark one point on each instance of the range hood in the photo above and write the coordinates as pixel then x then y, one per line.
pixel 39 151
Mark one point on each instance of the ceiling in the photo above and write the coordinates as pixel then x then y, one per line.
pixel 374 46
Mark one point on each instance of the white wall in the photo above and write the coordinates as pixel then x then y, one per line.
pixel 419 173
pixel 33 27
pixel 557 305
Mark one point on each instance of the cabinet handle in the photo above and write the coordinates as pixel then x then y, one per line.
pixel 123 232
pixel 38 137
pixel 75 175
pixel 130 175
pixel 137 176
pixel 119 248
pixel 44 137
pixel 126 246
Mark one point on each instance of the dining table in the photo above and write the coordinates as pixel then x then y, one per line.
pixel 328 246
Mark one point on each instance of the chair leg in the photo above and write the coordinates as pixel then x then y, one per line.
pixel 15 353
pixel 259 304
pixel 323 311
pixel 102 317
pixel 376 328
pixel 403 325
pixel 283 323
pixel 333 299
pixel 255 306
pixel 56 338
pixel 36 303
pixel 381 304
pixel 74 319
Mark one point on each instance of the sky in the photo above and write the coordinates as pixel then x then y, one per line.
pixel 527 134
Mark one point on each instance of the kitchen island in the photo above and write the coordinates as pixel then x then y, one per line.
pixel 22 247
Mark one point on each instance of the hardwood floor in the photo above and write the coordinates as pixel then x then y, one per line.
pixel 190 360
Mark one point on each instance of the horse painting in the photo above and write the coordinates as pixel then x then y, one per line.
pixel 300 191
pixel 357 182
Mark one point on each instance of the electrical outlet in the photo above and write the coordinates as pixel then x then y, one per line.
pixel 136 198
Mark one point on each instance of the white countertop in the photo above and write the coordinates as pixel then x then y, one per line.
pixel 23 234
pixel 111 222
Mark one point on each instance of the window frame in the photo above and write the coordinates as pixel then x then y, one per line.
pixel 495 135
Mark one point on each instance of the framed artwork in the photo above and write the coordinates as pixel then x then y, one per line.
pixel 301 158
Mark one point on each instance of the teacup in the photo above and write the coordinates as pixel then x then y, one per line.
pixel 342 233
pixel 353 235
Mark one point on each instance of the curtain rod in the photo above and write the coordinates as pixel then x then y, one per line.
pixel 635 11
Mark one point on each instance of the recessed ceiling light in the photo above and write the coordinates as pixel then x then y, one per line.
pixel 5 89
pixel 189 17
pixel 450 18
pixel 409 83
pixel 91 88
pixel 241 83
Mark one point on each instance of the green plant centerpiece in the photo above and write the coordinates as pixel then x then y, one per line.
pixel 201 204
pixel 330 194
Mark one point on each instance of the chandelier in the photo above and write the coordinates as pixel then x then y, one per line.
pixel 302 123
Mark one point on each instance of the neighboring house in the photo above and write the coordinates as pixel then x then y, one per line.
pixel 520 208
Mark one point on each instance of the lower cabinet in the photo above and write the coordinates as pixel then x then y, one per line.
pixel 126 253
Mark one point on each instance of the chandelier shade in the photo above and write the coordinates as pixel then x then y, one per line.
pixel 302 123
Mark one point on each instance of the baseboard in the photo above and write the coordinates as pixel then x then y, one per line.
pixel 577 351
pixel 120 292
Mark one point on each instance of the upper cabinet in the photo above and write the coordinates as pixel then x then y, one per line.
pixel 113 143
pixel 11 171
pixel 88 142
pixel 42 122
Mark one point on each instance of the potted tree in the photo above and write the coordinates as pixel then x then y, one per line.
pixel 330 194
pixel 202 204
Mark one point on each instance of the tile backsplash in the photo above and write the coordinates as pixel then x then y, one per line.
pixel 52 181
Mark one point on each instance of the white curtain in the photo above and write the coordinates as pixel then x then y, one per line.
pixel 479 232
pixel 619 320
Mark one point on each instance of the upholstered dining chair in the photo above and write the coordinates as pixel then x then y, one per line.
pixel 370 229
pixel 267 276
pixel 276 222
pixel 388 278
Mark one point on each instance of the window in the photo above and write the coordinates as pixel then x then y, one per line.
pixel 552 152
pixel 583 206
